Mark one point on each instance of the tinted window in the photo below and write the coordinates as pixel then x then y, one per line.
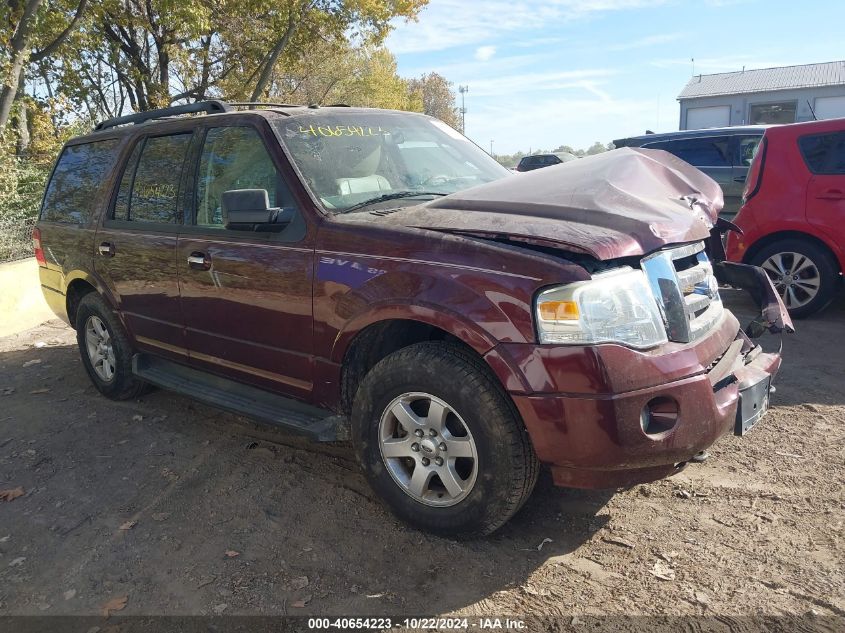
pixel 76 180
pixel 121 203
pixel 155 188
pixel 824 153
pixel 701 152
pixel 235 158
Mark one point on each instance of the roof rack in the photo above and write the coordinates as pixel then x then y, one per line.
pixel 213 106
pixel 261 104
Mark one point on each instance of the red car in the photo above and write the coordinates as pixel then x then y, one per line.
pixel 793 213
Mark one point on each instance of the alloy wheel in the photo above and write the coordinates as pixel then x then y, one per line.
pixel 795 276
pixel 99 347
pixel 428 449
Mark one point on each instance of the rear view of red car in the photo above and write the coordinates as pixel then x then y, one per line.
pixel 793 213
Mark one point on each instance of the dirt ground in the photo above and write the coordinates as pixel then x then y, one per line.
pixel 188 510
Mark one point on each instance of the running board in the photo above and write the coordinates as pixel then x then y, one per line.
pixel 318 424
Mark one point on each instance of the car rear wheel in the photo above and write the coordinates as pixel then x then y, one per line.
pixel 105 349
pixel 803 273
pixel 440 441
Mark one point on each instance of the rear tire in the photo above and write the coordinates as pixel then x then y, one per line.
pixel 105 349
pixel 440 441
pixel 804 274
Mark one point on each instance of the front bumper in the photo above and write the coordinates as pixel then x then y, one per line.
pixel 582 406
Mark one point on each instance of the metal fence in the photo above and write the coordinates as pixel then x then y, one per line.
pixel 16 238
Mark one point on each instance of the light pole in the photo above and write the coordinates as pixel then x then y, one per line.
pixel 463 90
pixel 491 149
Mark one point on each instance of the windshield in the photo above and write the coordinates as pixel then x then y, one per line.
pixel 350 158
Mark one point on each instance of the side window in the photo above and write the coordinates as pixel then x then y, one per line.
pixel 124 192
pixel 235 158
pixel 746 149
pixel 155 186
pixel 824 153
pixel 701 152
pixel 76 181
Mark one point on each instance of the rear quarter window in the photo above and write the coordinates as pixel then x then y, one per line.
pixel 72 193
pixel 824 154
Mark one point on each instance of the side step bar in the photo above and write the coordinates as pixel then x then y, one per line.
pixel 318 424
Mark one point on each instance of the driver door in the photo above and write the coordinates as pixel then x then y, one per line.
pixel 245 295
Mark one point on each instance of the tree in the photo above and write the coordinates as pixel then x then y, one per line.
pixel 31 23
pixel 438 100
pixel 596 148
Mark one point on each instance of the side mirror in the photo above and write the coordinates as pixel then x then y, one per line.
pixel 248 209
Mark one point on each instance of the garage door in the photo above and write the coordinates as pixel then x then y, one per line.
pixel 714 116
pixel 829 107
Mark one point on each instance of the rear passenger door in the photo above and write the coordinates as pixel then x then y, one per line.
pixel 136 245
pixel 743 150
pixel 246 295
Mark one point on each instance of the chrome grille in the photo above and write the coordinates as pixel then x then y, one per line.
pixel 687 292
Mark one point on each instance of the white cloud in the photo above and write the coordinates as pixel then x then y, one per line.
pixel 446 24
pixel 523 83
pixel 485 53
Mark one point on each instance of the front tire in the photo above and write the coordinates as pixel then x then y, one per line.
pixel 105 349
pixel 440 441
pixel 803 273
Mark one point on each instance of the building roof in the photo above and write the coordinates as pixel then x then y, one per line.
pixel 765 80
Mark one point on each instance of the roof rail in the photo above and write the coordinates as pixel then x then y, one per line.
pixel 213 106
pixel 261 104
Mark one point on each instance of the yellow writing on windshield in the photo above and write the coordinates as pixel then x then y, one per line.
pixel 330 131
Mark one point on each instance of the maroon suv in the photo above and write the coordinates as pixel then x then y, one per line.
pixel 373 275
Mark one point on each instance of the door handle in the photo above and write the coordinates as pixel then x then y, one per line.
pixel 106 249
pixel 199 261
pixel 831 194
pixel 739 179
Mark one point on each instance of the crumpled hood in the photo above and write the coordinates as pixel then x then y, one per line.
pixel 621 203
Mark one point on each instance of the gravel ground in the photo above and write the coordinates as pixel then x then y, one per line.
pixel 184 509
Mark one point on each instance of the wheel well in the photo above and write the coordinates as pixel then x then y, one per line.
pixel 785 235
pixel 75 292
pixel 377 341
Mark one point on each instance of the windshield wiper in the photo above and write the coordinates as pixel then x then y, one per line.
pixel 396 195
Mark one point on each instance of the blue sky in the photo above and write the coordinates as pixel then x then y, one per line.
pixel 550 72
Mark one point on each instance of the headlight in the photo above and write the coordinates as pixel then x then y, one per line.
pixel 613 307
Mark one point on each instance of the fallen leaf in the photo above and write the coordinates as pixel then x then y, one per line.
pixel 11 493
pixel 36 391
pixel 615 540
pixel 69 594
pixel 115 604
pixel 7 391
pixel 137 418
pixel 295 584
pixel 683 494
pixel 219 608
pixel 232 553
pixel 17 562
pixel 543 542
pixel 30 363
pixel 298 604
pixel 702 598
pixel 161 516
pixel 662 571
pixel 128 525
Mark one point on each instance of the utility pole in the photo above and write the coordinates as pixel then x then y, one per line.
pixel 491 149
pixel 463 90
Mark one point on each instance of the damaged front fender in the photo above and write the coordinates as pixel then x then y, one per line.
pixel 773 314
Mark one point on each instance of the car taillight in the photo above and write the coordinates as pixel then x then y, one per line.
pixel 755 173
pixel 36 246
